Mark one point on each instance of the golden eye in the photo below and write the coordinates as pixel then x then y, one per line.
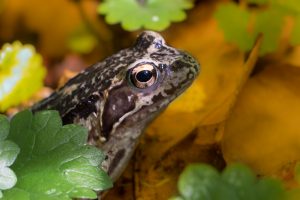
pixel 143 75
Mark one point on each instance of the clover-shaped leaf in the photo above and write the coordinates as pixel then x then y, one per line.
pixel 236 182
pixel 150 14
pixel 241 26
pixel 54 161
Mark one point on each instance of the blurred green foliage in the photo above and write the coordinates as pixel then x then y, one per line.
pixel 241 25
pixel 235 25
pixel 236 182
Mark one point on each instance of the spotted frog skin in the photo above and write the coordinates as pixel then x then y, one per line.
pixel 116 98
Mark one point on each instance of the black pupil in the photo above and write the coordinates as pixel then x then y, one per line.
pixel 144 76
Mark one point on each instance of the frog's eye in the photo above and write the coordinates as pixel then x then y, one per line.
pixel 143 75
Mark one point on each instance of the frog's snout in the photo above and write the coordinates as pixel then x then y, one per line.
pixel 190 63
pixel 183 71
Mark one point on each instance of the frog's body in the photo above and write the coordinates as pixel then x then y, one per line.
pixel 116 98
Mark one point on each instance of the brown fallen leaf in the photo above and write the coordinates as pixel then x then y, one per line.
pixel 263 130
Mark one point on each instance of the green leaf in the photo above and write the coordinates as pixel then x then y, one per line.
pixel 7 178
pixel 271 29
pixel 21 74
pixel 269 189
pixel 234 23
pixel 8 154
pixel 4 127
pixel 54 162
pixel 242 180
pixel 198 182
pixel 237 182
pixel 136 14
pixel 16 193
pixel 238 175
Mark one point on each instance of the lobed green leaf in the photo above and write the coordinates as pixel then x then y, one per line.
pixel 234 22
pixel 241 25
pixel 271 29
pixel 54 162
pixel 133 15
pixel 236 182
pixel 203 178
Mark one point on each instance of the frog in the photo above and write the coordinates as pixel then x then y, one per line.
pixel 117 98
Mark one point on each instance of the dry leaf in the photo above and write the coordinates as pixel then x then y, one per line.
pixel 263 130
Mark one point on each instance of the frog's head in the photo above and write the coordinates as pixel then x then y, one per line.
pixel 116 98
pixel 154 75
pixel 146 78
